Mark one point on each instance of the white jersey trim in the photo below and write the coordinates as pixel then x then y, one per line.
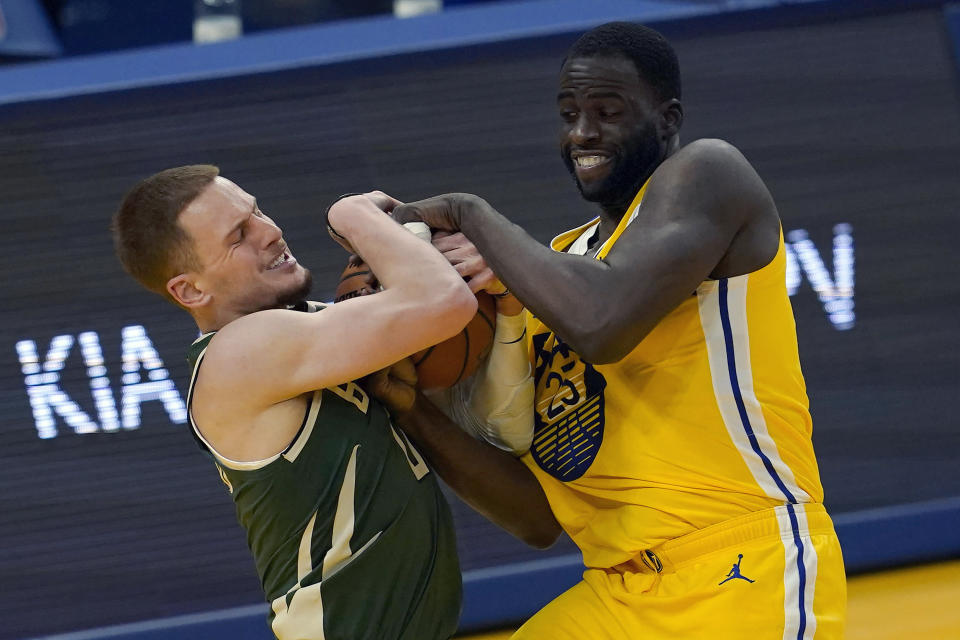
pixel 300 441
pixel 580 245
pixel 799 573
pixel 290 453
pixel 723 301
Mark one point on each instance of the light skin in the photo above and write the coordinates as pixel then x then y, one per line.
pixel 259 369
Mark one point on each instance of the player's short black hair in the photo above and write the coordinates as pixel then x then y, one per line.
pixel 655 59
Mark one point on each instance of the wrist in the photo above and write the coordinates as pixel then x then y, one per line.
pixel 507 304
pixel 354 215
pixel 330 207
pixel 471 210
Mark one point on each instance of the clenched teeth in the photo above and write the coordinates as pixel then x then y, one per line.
pixel 585 162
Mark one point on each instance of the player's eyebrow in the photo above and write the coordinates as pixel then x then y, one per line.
pixel 591 95
pixel 603 95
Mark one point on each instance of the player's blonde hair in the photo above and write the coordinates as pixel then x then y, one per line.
pixel 147 236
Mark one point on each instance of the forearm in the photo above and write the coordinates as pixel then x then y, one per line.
pixel 493 482
pixel 564 291
pixel 399 258
pixel 601 308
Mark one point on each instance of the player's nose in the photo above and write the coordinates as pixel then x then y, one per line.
pixel 584 130
pixel 269 231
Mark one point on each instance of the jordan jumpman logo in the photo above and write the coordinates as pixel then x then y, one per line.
pixel 735 571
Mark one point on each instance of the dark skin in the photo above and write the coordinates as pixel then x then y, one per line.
pixel 706 214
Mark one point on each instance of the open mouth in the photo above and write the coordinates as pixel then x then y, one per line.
pixel 281 260
pixel 589 161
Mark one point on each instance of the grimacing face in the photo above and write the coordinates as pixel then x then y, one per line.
pixel 609 137
pixel 246 264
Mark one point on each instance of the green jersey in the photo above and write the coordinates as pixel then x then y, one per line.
pixel 349 531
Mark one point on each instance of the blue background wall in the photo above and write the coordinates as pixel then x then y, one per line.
pixel 848 109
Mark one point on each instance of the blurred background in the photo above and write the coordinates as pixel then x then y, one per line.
pixel 114 524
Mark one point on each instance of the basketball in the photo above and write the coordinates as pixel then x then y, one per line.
pixel 447 363
pixel 444 365
pixel 356 280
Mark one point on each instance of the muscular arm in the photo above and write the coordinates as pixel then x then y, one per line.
pixel 276 355
pixel 698 203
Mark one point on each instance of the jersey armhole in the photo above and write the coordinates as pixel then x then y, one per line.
pixel 290 452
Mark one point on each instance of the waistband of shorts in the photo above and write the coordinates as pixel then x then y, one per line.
pixel 777 522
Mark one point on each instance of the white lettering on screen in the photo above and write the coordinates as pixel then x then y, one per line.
pixel 139 355
pixel 836 294
pixel 43 388
pixel 48 400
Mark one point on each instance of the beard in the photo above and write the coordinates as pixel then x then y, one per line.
pixel 633 163
pixel 295 295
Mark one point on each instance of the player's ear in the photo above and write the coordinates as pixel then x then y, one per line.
pixel 185 291
pixel 671 118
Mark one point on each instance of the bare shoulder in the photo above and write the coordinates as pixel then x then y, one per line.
pixel 712 194
pixel 241 338
pixel 712 148
pixel 232 405
pixel 712 159
pixel 737 195
pixel 713 176
pixel 231 359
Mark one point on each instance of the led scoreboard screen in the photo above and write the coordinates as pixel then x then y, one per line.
pixel 110 512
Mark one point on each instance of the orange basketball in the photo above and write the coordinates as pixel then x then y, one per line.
pixel 356 280
pixel 447 363
pixel 444 365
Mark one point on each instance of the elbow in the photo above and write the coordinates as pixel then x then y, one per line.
pixel 603 353
pixel 602 345
pixel 542 536
pixel 600 338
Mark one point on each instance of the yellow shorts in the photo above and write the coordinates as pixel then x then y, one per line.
pixel 775 574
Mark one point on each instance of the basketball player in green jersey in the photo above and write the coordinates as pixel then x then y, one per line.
pixel 349 531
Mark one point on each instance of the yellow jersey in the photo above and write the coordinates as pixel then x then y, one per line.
pixel 706 419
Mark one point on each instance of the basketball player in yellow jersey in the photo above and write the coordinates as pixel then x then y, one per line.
pixel 671 434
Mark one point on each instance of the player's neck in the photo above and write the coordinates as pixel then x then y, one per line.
pixel 610 216
pixel 210 322
pixel 608 224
